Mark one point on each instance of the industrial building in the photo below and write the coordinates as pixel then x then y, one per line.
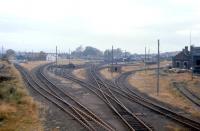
pixel 188 59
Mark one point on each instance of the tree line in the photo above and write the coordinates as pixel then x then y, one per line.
pixel 93 53
pixel 80 52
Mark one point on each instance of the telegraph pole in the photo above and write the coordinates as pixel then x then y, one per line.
pixel 56 55
pixel 2 52
pixel 112 56
pixel 158 68
pixel 32 54
pixel 69 55
pixel 190 39
pixel 149 54
pixel 148 59
pixel 145 57
pixel 125 57
pixel 112 63
pixel 191 53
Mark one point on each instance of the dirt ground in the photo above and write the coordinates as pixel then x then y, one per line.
pixel 73 61
pixel 80 73
pixel 18 110
pixel 32 64
pixel 146 83
pixel 130 68
pixel 90 100
pixel 108 75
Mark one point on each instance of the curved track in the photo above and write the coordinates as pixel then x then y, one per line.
pixel 87 119
pixel 124 113
pixel 1 66
pixel 120 87
pixel 43 76
pixel 120 82
pixel 188 94
pixel 129 119
pixel 129 94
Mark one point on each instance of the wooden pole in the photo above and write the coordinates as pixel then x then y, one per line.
pixel 158 69
pixel 112 56
pixel 145 57
pixel 56 55
pixel 148 54
pixel 191 53
pixel 2 52
pixel 125 57
pixel 148 59
pixel 112 64
pixel 69 56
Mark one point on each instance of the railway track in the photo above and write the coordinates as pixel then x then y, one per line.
pixel 2 66
pixel 130 94
pixel 78 114
pixel 121 89
pixel 57 91
pixel 130 120
pixel 188 94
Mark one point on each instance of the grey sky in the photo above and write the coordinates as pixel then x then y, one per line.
pixel 128 24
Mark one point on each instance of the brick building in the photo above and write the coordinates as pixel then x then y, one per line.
pixel 182 60
pixel 195 56
pixel 187 59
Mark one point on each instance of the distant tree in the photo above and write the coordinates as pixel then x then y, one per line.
pixel 78 52
pixel 126 54
pixel 42 55
pixel 91 52
pixel 107 55
pixel 10 54
pixel 117 53
pixel 79 49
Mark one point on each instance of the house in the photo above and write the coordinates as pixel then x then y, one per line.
pixel 195 56
pixel 51 57
pixel 182 60
pixel 188 59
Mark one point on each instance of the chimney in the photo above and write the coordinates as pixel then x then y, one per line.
pixel 186 48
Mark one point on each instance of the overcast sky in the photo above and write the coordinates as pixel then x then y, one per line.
pixel 36 25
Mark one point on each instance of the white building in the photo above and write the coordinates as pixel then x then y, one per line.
pixel 51 57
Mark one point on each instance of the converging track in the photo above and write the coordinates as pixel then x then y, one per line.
pixel 109 92
pixel 42 75
pixel 188 94
pixel 187 122
pixel 121 88
pixel 129 119
pixel 85 117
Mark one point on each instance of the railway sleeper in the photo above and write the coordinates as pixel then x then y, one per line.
pixel 134 123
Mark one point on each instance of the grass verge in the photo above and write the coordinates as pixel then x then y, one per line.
pixel 18 110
